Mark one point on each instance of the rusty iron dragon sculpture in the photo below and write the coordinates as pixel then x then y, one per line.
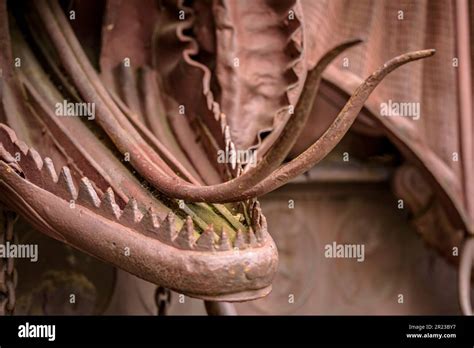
pixel 141 176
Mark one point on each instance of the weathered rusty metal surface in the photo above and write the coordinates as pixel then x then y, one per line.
pixel 206 266
pixel 173 84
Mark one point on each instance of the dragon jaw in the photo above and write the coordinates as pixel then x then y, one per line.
pixel 205 265
pixel 153 247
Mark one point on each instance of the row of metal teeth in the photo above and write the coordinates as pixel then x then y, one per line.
pixel 42 173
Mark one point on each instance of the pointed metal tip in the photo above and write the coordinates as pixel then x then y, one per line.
pixel 207 240
pixel 109 206
pixel 252 239
pixel 66 184
pixel 50 170
pixel 224 243
pixel 240 242
pixel 21 146
pixel 33 159
pixel 150 222
pixel 186 238
pixel 167 231
pixel 6 155
pixel 7 134
pixel 131 213
pixel 87 195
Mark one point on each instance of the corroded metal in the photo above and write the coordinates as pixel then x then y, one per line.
pixel 119 193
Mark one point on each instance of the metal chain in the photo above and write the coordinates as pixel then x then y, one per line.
pixel 8 274
pixel 162 299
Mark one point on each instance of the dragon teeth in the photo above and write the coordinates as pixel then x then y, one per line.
pixel 233 156
pixel 185 238
pixel 9 140
pixel 150 222
pixel 31 164
pixel 50 170
pixel 66 185
pixel 224 243
pixel 252 239
pixel 256 211
pixel 21 147
pixel 5 155
pixel 227 134
pixel 7 135
pixel 167 231
pixel 261 230
pixel 87 195
pixel 50 177
pixel 240 241
pixel 131 213
pixel 206 241
pixel 32 160
pixel 108 206
pixel 259 223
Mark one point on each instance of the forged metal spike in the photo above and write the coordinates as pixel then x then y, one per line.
pixel 260 235
pixel 185 238
pixel 223 121
pixel 258 222
pixel 233 156
pixel 5 155
pixel 131 213
pixel 224 243
pixel 66 184
pixel 167 231
pixel 7 135
pixel 20 146
pixel 227 134
pixel 256 213
pixel 32 160
pixel 263 223
pixel 261 228
pixel 49 175
pixel 150 222
pixel 239 242
pixel 207 240
pixel 50 170
pixel 8 139
pixel 251 209
pixel 252 239
pixel 87 195
pixel 108 206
